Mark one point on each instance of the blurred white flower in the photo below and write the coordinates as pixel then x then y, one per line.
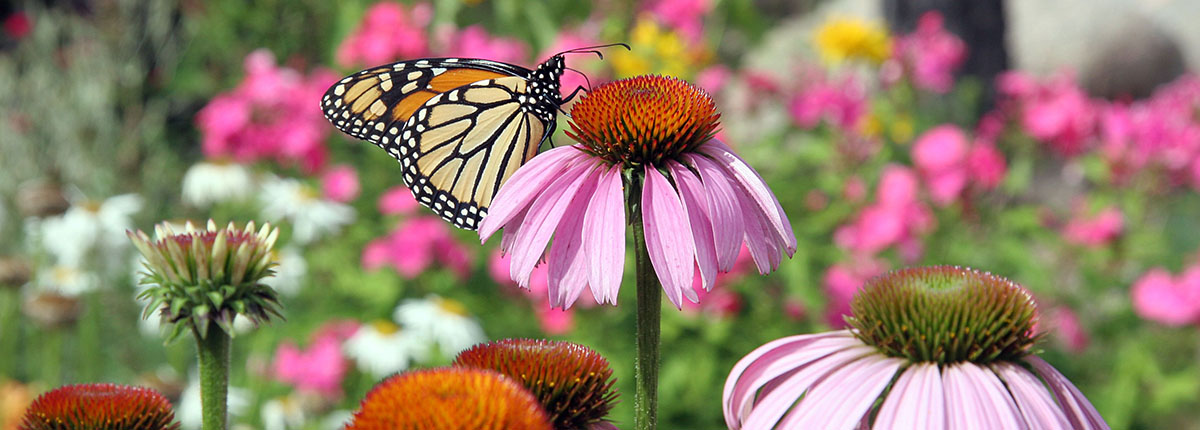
pixel 206 183
pixel 290 273
pixel 66 280
pixel 188 411
pixel 282 413
pixel 336 420
pixel 310 215
pixel 381 348
pixel 85 228
pixel 443 321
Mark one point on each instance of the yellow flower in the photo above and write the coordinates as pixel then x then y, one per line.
pixel 842 39
pixel 656 50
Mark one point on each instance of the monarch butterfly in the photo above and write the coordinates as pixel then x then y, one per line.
pixel 458 126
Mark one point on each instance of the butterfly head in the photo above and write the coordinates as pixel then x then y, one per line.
pixel 547 75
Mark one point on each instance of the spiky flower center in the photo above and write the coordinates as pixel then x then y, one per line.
pixel 572 382
pixel 100 407
pixel 643 120
pixel 449 399
pixel 945 315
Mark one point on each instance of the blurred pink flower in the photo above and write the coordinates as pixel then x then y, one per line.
pixel 986 165
pixel 1056 112
pixel 388 32
pixel 340 184
pixel 270 115
pixel 841 103
pixel 1065 327
pixel 931 54
pixel 895 217
pixel 940 156
pixel 475 42
pixel 17 25
pixel 854 190
pixel 1096 230
pixel 415 245
pixel 713 78
pixel 398 201
pixel 684 16
pixel 319 369
pixel 840 283
pixel 340 329
pixel 1172 301
pixel 1162 130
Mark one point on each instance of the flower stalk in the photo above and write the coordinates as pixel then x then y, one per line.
pixel 649 314
pixel 213 357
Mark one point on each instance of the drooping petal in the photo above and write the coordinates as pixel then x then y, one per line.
pixel 1037 407
pixel 724 209
pixel 769 408
pixel 842 399
pixel 770 361
pixel 695 203
pixel 763 249
pixel 756 187
pixel 604 236
pixel 1077 407
pixel 525 185
pixel 568 271
pixel 541 220
pixel 975 395
pixel 667 236
pixel 917 401
pixel 511 230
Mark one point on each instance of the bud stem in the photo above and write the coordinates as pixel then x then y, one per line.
pixel 649 313
pixel 213 354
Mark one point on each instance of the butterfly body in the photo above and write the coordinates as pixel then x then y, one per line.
pixel 459 127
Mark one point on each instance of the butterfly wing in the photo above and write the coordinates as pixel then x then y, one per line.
pixel 462 145
pixel 459 127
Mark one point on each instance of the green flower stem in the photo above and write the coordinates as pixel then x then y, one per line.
pixel 649 314
pixel 52 350
pixel 214 377
pixel 10 315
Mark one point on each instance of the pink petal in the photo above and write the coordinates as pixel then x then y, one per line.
pixel 1037 407
pixel 604 236
pixel 568 265
pixel 975 395
pixel 695 203
pixel 668 237
pixel 512 231
pixel 762 249
pixel 724 209
pixel 915 402
pixel 776 358
pixel 842 399
pixel 770 407
pixel 525 185
pixel 1077 407
pixel 541 220
pixel 757 188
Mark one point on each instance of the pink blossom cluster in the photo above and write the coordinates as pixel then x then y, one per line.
pixel 949 162
pixel 270 115
pixel 340 183
pixel 1172 300
pixel 686 17
pixel 1161 131
pixel 389 32
pixel 896 217
pixel 415 245
pixel 930 55
pixel 320 368
pixel 840 102
pixel 1094 230
pixel 840 283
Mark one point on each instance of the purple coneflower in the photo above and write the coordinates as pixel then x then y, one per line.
pixel 928 348
pixel 697 200
pixel 100 407
pixel 449 398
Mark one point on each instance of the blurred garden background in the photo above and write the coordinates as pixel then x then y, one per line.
pixel 1056 144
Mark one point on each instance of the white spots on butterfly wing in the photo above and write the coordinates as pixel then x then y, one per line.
pixel 438 70
pixel 409 87
pixel 413 75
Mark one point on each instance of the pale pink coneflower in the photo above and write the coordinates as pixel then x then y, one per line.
pixel 698 200
pixel 928 348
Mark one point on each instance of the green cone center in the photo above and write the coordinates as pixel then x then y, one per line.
pixel 945 315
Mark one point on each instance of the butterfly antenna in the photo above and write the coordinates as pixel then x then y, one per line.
pixel 594 49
